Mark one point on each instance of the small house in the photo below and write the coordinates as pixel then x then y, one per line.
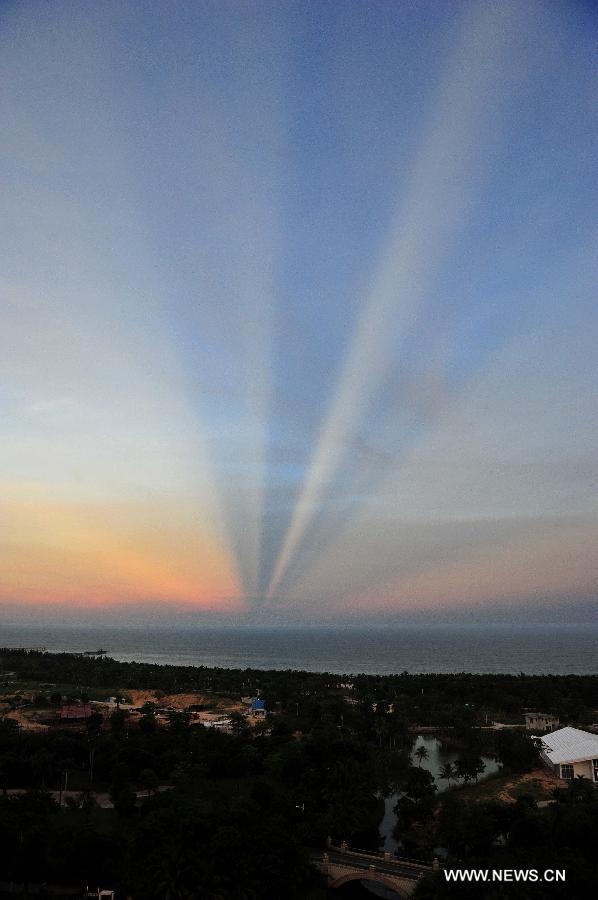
pixel 258 707
pixel 571 752
pixel 535 721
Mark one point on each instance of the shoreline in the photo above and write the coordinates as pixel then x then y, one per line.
pixel 433 649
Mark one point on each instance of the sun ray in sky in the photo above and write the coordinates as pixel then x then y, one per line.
pixel 436 197
pixel 298 310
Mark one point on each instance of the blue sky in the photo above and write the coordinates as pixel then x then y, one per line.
pixel 299 307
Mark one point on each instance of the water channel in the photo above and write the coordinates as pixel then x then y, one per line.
pixel 437 758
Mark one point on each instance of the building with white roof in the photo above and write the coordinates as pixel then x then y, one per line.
pixel 571 752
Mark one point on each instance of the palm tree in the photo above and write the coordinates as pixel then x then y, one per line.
pixel 421 754
pixel 447 772
pixel 462 770
pixel 149 780
pixel 478 767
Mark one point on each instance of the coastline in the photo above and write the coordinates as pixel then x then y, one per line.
pixel 418 649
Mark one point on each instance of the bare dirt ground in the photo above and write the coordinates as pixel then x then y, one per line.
pixel 539 782
pixel 183 701
pixel 23 717
pixel 222 706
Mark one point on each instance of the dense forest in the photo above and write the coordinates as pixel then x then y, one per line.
pixel 199 812
pixel 432 699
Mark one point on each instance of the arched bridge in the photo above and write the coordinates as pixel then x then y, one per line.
pixel 340 865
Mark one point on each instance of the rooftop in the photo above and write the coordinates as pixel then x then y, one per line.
pixel 570 745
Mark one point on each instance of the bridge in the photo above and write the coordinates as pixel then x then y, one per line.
pixel 400 876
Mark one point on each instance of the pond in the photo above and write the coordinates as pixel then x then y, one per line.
pixel 437 758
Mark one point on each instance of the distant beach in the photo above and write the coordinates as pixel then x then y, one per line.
pixel 534 649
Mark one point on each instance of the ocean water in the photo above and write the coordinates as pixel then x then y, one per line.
pixel 533 649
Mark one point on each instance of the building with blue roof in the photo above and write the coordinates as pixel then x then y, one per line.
pixel 258 707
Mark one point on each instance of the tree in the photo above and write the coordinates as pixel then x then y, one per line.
pixel 87 803
pixel 178 722
pixel 447 772
pixel 120 778
pixel 147 722
pixel 149 780
pixel 517 750
pixel 94 724
pixel 421 753
pixel 262 727
pixel 44 766
pixel 478 767
pixel 125 800
pixel 463 769
pixel 117 720
pixel 419 784
pixel 398 728
pixel 238 724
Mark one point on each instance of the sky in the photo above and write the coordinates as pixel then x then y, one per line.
pixel 298 311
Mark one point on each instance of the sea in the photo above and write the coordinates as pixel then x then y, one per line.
pixel 481 648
